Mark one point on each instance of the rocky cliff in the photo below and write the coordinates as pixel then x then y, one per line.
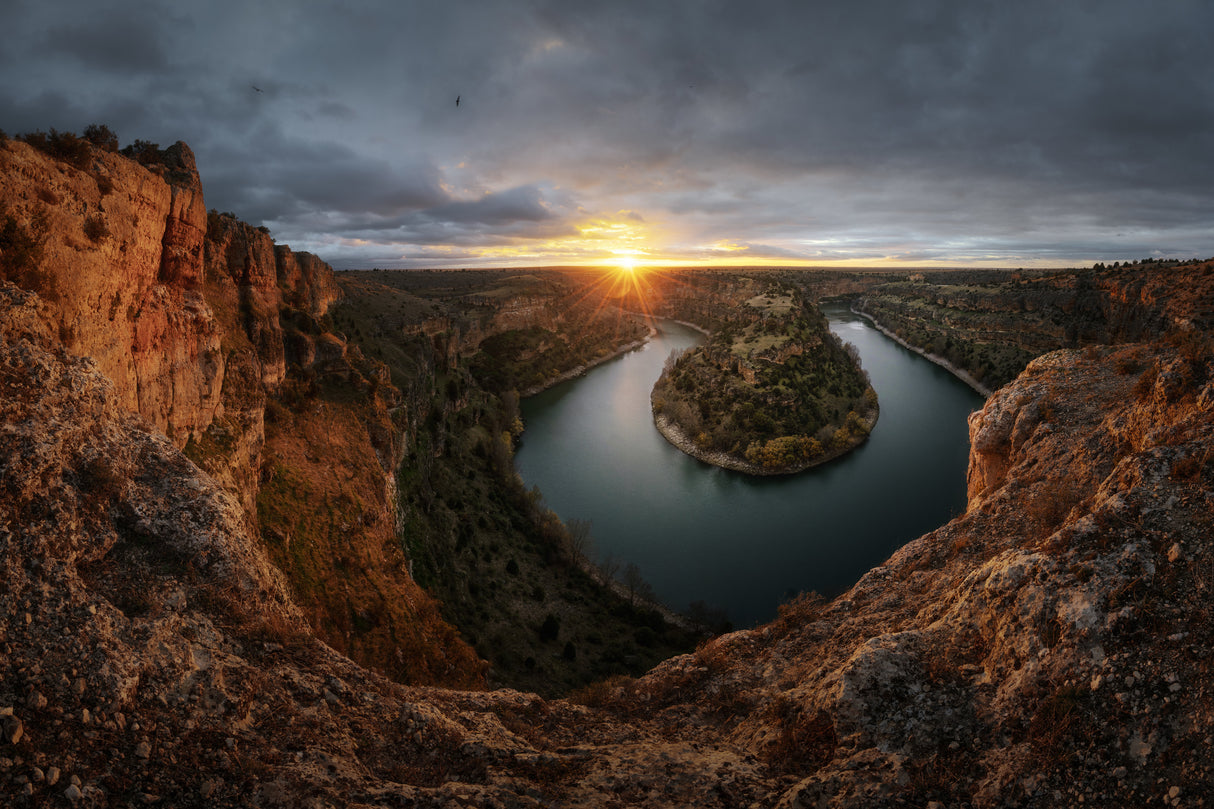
pixel 204 326
pixel 1049 647
pixel 991 323
pixel 121 270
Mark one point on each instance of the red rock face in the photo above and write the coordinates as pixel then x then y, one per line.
pixel 185 226
pixel 307 282
pixel 240 261
pixel 127 296
pixel 141 298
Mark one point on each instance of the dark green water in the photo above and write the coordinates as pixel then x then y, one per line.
pixel 744 544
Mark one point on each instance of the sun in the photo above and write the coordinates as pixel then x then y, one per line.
pixel 627 264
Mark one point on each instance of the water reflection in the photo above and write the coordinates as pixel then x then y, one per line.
pixel 741 543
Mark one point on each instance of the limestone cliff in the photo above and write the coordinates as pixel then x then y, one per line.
pixel 204 324
pixel 121 270
pixel 991 323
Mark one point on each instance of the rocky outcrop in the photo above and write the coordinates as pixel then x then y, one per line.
pixel 142 280
pixel 203 323
pixel 1047 648
pixel 243 275
pixel 306 282
pixel 89 489
pixel 121 268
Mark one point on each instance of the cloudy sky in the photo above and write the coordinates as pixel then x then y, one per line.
pixel 863 132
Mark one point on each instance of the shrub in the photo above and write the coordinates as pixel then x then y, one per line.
pixel 1127 364
pixel 21 253
pixel 102 137
pixel 64 146
pixel 1145 385
pixel 550 629
pixel 603 692
pixel 807 739
pixel 145 152
pixel 96 229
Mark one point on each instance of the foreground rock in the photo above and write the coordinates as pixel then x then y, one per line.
pixel 1050 645
pixel 151 651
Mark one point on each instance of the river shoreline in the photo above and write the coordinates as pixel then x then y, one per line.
pixel 960 373
pixel 680 440
pixel 574 373
pixel 589 450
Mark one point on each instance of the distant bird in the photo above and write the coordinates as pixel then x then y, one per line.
pixel 255 87
pixel 457 98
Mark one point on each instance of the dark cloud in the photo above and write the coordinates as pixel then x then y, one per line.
pixel 295 176
pixel 114 45
pixel 517 204
pixel 939 131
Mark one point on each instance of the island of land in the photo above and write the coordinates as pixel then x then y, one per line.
pixel 773 391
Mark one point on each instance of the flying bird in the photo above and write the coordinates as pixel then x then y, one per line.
pixel 255 87
pixel 457 98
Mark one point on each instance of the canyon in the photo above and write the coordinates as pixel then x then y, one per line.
pixel 206 598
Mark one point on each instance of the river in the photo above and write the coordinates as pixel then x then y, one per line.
pixel 739 543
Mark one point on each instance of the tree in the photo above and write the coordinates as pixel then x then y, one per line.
pixel 672 359
pixel 550 629
pixel 607 569
pixel 21 249
pixel 581 544
pixel 709 619
pixel 638 588
pixel 101 136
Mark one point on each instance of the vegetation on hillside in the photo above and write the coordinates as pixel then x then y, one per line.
pixel 21 247
pixel 991 323
pixel 509 574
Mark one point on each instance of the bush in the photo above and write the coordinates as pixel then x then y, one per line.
pixel 145 152
pixel 550 629
pixel 21 252
pixel 96 229
pixel 64 146
pixel 102 137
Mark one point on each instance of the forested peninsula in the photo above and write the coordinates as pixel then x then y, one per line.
pixel 772 391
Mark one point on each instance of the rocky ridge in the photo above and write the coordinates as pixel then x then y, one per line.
pixel 128 293
pixel 990 323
